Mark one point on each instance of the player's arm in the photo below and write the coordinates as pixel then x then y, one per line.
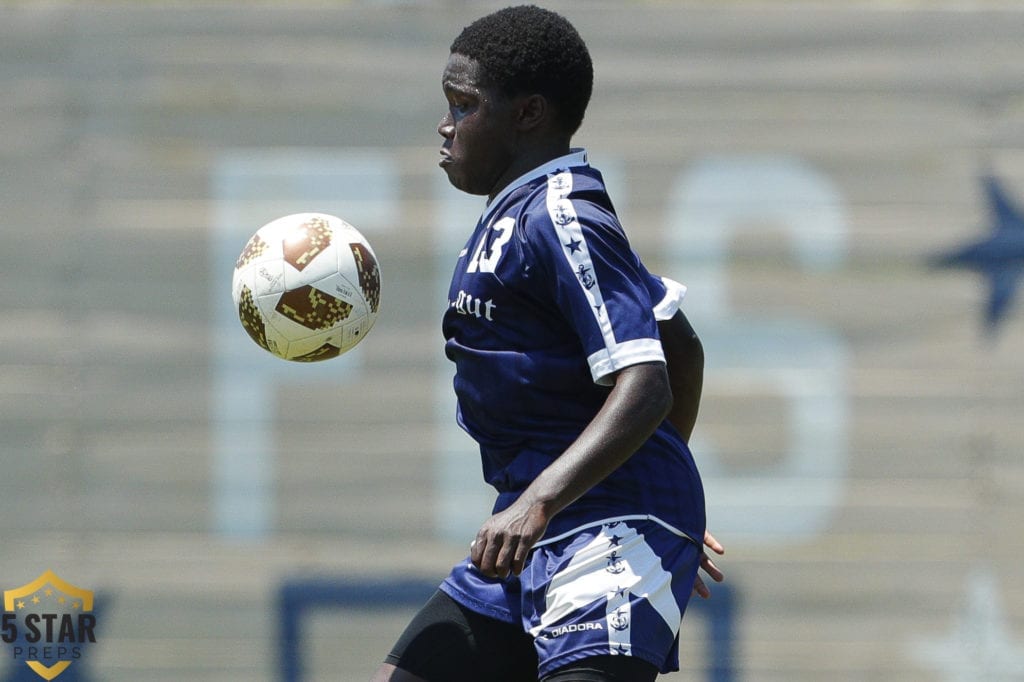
pixel 684 354
pixel 638 402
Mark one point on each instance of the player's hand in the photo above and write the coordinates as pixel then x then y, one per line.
pixel 505 540
pixel 708 566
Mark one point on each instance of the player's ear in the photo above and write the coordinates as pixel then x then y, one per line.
pixel 532 111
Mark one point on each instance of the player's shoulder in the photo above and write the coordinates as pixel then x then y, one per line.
pixel 574 194
pixel 575 181
pixel 581 186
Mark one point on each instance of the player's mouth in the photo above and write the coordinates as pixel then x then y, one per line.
pixel 446 159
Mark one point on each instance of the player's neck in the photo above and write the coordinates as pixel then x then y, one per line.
pixel 534 157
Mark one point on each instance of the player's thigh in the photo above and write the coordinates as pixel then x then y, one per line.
pixel 446 642
pixel 605 669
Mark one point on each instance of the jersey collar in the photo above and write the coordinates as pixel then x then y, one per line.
pixel 576 157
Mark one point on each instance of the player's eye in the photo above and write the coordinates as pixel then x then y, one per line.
pixel 460 107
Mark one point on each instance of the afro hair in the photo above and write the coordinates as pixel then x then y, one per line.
pixel 526 50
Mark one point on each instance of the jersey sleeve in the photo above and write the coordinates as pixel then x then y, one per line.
pixel 599 283
pixel 667 295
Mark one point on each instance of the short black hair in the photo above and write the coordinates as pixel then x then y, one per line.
pixel 527 49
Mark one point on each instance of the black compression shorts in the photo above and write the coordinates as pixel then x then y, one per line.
pixel 446 642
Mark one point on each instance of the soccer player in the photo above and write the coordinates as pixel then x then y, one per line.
pixel 578 376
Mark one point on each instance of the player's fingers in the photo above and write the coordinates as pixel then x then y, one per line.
pixel 476 550
pixel 712 543
pixel 519 558
pixel 711 569
pixel 483 552
pixel 486 552
pixel 506 557
pixel 700 589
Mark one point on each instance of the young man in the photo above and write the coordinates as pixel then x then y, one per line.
pixel 581 408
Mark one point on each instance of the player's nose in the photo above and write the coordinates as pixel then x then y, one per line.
pixel 446 126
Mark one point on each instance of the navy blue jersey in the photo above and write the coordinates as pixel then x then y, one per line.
pixel 548 301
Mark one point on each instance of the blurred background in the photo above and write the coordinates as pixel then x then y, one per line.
pixel 800 165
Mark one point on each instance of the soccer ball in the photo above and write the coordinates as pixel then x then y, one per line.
pixel 307 287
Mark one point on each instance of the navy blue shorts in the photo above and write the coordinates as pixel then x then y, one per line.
pixel 612 590
pixel 448 642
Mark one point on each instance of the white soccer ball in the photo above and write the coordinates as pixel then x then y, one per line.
pixel 307 287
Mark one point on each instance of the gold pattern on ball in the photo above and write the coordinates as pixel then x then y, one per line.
pixel 324 352
pixel 306 242
pixel 253 250
pixel 369 274
pixel 313 308
pixel 252 322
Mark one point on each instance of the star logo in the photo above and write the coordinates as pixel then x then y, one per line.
pixel 999 257
pixel 979 645
pixel 41 630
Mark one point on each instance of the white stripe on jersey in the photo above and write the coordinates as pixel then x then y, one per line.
pixel 574 247
pixel 611 359
pixel 614 356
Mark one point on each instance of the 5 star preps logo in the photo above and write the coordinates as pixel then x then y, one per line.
pixel 47 623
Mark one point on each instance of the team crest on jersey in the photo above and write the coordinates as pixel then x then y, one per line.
pixel 586 277
pixel 560 182
pixel 615 563
pixel 619 620
pixel 563 214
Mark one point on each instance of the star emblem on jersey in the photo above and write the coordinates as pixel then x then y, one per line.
pixel 573 245
pixel 999 257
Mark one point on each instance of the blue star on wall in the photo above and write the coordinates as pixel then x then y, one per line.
pixel 999 257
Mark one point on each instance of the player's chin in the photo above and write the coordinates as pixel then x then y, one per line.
pixel 458 180
pixel 465 182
